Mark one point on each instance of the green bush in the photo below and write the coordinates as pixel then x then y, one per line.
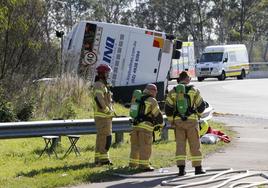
pixel 64 111
pixel 25 111
pixel 6 110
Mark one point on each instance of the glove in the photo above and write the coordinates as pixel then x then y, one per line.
pixel 109 112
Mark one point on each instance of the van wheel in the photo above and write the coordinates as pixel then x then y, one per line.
pixel 200 79
pixel 222 76
pixel 242 75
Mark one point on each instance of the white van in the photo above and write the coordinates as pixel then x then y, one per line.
pixel 223 61
pixel 137 56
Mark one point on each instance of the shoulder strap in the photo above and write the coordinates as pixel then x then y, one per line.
pixel 187 97
pixel 142 104
pixel 188 88
pixel 141 114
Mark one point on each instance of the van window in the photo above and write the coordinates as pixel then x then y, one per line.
pixel 211 57
pixel 225 55
pixel 232 56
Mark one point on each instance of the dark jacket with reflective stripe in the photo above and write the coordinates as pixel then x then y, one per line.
pixel 152 110
pixel 196 101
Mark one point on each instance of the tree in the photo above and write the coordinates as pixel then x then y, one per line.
pixel 23 44
pixel 110 11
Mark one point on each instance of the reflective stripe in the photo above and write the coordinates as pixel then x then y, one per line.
pixel 134 161
pixel 233 73
pixel 170 101
pixel 159 125
pixel 155 110
pixel 106 110
pixel 180 157
pixel 101 114
pixel 101 156
pixel 147 106
pixel 170 118
pixel 97 154
pixel 145 126
pixel 98 91
pixel 196 158
pixel 144 162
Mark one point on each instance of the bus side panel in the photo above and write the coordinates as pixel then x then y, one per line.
pixel 141 62
pixel 112 50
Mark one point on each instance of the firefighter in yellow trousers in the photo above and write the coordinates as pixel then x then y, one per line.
pixel 103 113
pixel 149 117
pixel 185 122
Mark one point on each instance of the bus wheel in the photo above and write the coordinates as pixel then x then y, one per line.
pixel 222 76
pixel 200 79
pixel 242 75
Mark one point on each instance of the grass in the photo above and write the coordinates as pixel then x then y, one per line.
pixel 71 98
pixel 21 167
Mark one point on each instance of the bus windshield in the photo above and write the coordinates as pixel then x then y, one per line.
pixel 211 57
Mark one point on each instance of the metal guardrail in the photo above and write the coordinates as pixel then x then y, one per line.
pixel 68 127
pixel 258 66
pixel 258 70
pixel 57 127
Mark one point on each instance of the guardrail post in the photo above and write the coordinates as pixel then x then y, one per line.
pixel 55 142
pixel 119 137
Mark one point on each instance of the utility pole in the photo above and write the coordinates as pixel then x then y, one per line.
pixel 59 34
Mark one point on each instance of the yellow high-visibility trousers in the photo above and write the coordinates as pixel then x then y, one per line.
pixel 187 131
pixel 141 147
pixel 103 138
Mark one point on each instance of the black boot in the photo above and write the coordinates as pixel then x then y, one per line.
pixel 107 162
pixel 199 170
pixel 181 170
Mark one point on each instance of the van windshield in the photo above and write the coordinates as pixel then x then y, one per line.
pixel 211 57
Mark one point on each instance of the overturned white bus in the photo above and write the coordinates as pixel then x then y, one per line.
pixel 137 56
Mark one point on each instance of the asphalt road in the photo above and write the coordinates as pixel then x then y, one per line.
pixel 247 97
pixel 243 107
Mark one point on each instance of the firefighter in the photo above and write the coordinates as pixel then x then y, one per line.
pixel 103 113
pixel 186 127
pixel 143 126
